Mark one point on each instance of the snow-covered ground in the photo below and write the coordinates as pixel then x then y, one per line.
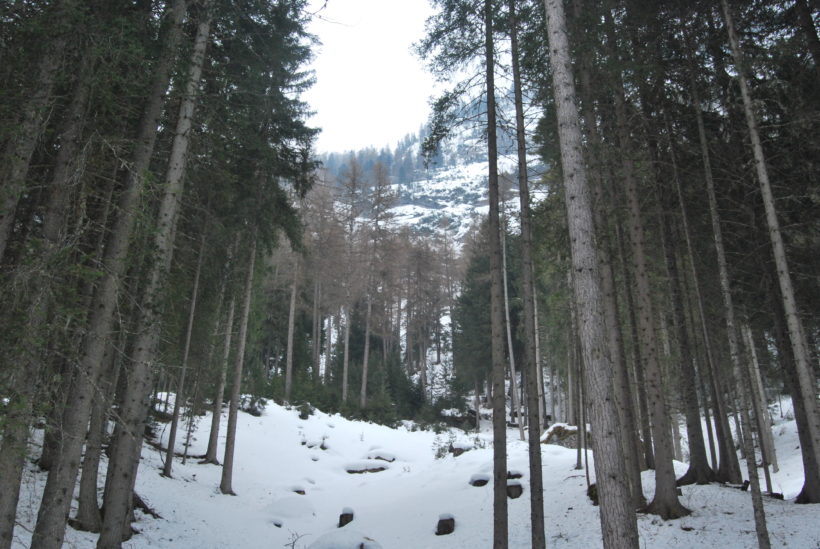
pixel 279 454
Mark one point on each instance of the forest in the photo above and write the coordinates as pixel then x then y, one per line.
pixel 173 250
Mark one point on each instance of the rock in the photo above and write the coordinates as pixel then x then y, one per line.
pixel 514 474
pixel 446 525
pixel 514 489
pixel 479 479
pixel 346 517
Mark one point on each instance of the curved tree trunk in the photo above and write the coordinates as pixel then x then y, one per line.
pixel 618 522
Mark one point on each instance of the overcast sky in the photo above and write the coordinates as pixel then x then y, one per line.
pixel 370 88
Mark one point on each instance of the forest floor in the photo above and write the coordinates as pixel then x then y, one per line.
pixel 399 507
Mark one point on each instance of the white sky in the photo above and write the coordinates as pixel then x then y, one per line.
pixel 370 88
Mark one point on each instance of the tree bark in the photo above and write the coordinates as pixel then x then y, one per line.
pixel 226 484
pixel 618 522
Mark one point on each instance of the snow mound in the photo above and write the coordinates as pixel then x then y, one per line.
pixel 291 507
pixel 344 539
pixel 366 466
pixel 381 455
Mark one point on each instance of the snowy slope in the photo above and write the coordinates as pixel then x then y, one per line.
pixel 399 507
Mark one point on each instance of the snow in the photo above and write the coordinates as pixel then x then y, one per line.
pixel 344 539
pixel 399 507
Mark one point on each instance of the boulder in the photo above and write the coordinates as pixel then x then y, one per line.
pixel 514 489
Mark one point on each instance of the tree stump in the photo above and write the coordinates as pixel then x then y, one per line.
pixel 446 525
pixel 514 489
pixel 346 517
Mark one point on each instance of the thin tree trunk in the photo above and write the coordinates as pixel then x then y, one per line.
pixel 759 395
pixel 346 358
pixel 50 528
pixel 618 522
pixel 515 414
pixel 180 392
pixel 226 484
pixel 531 364
pixel 125 456
pixel 294 290
pixel 366 358
pixel 216 410
pixel 805 371
pixel 500 526
pixel 316 330
pixel 328 348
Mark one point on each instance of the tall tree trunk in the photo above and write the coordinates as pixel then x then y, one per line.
pixel 531 366
pixel 226 484
pixel 601 205
pixel 51 520
pixel 294 291
pixel 328 348
pixel 665 503
pixel 180 392
pixel 500 526
pixel 618 522
pixel 805 371
pixel 125 456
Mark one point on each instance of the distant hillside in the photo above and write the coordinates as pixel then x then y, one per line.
pixel 450 192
